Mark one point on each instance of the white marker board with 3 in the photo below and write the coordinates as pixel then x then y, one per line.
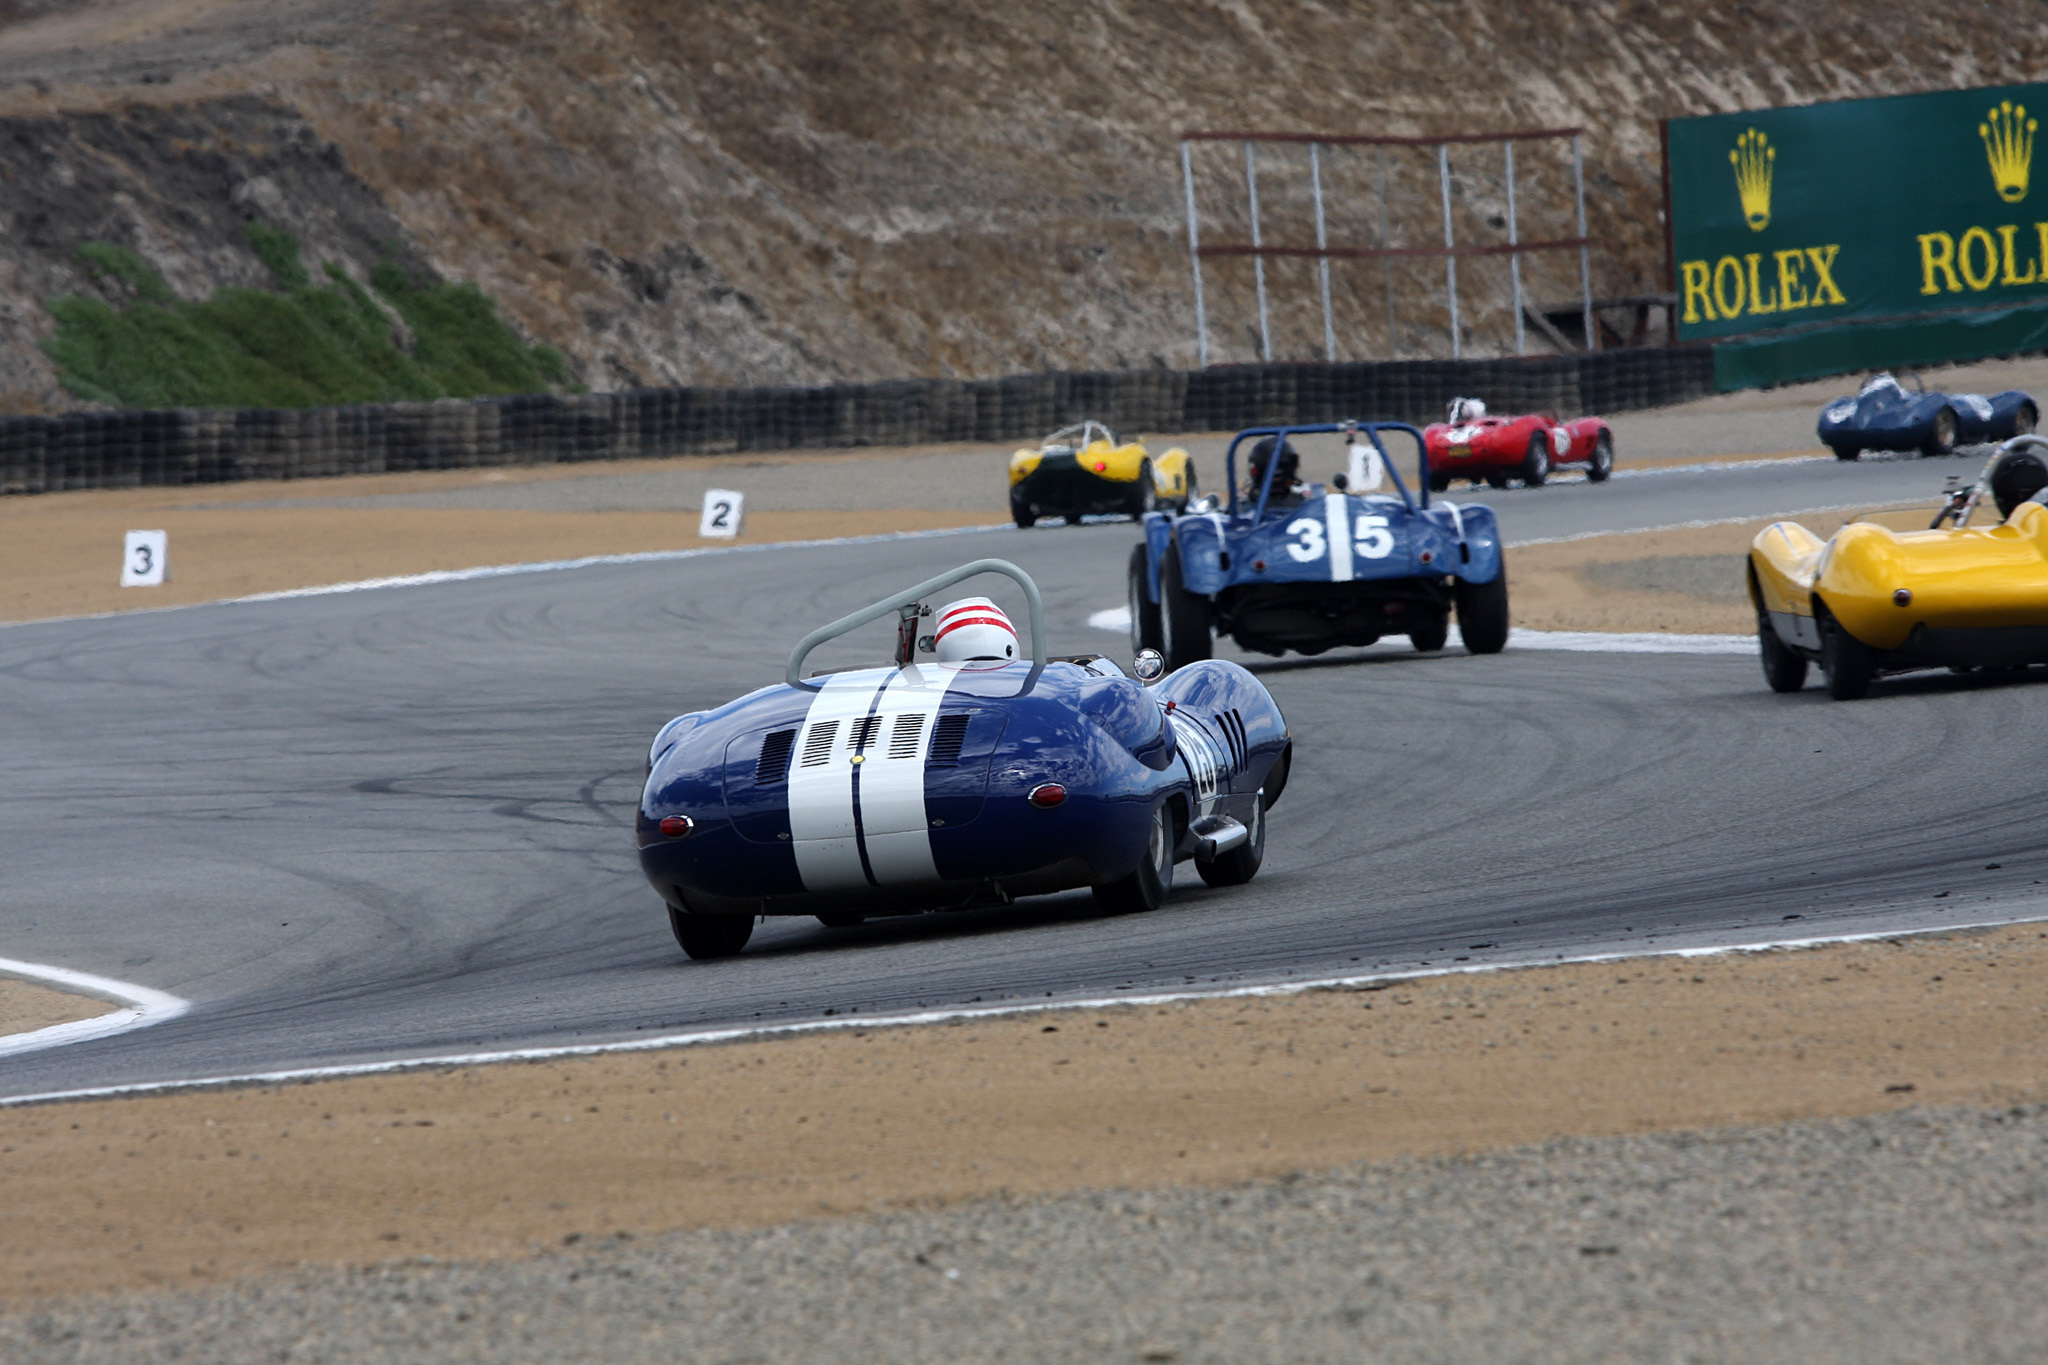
pixel 145 559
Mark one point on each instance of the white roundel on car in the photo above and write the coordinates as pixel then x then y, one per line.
pixel 1560 441
pixel 974 630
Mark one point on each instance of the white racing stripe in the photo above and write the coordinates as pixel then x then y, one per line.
pixel 821 782
pixel 893 821
pixel 1337 520
pixel 941 1016
pixel 142 1006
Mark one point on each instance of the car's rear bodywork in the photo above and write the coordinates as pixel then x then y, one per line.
pixel 1085 470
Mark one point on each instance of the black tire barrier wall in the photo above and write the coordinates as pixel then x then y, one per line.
pixel 81 450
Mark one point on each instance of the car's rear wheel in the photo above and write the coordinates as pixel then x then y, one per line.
pixel 1241 864
pixel 1144 611
pixel 1845 451
pixel 709 936
pixel 1439 483
pixel 1429 635
pixel 1144 496
pixel 1784 670
pixel 1850 665
pixel 1146 887
pixel 1191 489
pixel 1183 616
pixel 1483 613
pixel 840 919
pixel 1602 463
pixel 1535 466
pixel 1496 481
pixel 1021 513
pixel 1941 437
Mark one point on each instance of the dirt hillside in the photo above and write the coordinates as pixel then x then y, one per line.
pixel 791 192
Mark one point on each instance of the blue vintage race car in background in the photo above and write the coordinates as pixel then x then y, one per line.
pixel 932 785
pixel 1291 566
pixel 1887 415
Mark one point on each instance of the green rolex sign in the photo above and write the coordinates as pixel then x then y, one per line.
pixel 1918 215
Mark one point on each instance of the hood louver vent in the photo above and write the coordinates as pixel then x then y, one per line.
pixel 774 763
pixel 948 737
pixel 818 743
pixel 903 738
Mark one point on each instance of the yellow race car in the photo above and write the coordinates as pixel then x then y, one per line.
pixel 1872 600
pixel 1084 469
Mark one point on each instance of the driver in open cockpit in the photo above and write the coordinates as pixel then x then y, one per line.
pixel 1287 489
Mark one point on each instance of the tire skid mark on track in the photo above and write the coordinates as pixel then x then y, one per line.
pixel 141 1007
pixel 918 1018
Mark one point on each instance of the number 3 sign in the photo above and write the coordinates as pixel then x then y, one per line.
pixel 724 513
pixel 144 559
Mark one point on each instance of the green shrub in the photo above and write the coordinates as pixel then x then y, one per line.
pixel 299 345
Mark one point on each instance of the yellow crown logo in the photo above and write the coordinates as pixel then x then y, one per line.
pixel 2009 143
pixel 1752 160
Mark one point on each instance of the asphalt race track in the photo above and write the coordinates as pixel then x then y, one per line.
pixel 391 823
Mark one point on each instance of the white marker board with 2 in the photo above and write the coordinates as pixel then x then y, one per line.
pixel 724 513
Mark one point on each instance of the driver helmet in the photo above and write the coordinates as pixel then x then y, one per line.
pixel 974 630
pixel 1284 476
pixel 2019 475
pixel 1465 410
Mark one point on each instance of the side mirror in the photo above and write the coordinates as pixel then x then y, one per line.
pixel 1149 666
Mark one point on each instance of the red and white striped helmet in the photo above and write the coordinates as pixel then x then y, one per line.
pixel 973 630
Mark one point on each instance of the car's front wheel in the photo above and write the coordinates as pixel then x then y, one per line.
pixel 1845 451
pixel 1941 437
pixel 2025 420
pixel 1429 635
pixel 1784 670
pixel 1183 616
pixel 709 936
pixel 1241 864
pixel 1021 513
pixel 1144 611
pixel 1146 887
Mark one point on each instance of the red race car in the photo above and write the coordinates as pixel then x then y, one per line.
pixel 1476 447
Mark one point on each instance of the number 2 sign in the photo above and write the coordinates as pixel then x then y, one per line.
pixel 144 559
pixel 724 512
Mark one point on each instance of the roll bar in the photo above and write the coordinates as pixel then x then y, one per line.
pixel 906 603
pixel 1372 431
pixel 1963 501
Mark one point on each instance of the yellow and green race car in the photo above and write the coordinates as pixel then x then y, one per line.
pixel 1084 469
pixel 1872 600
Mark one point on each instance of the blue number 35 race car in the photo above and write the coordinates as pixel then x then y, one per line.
pixel 1290 566
pixel 966 777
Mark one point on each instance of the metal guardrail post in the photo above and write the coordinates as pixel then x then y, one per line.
pixel 1514 258
pixel 1315 169
pixel 1443 175
pixel 1251 183
pixel 1187 176
pixel 1585 252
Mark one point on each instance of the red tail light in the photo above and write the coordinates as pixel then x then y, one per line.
pixel 1046 795
pixel 676 826
pixel 1101 468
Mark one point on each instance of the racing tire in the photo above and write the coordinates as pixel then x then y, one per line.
pixel 1850 665
pixel 842 919
pixel 1847 452
pixel 1146 887
pixel 1241 864
pixel 1602 463
pixel 1535 466
pixel 703 937
pixel 1144 494
pixel 1496 481
pixel 1784 669
pixel 1190 489
pixel 1941 437
pixel 1430 638
pixel 1144 613
pixel 1439 483
pixel 1183 617
pixel 2025 420
pixel 1483 613
pixel 1021 513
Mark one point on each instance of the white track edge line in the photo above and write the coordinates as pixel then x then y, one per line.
pixel 141 1007
pixel 507 570
pixel 922 1018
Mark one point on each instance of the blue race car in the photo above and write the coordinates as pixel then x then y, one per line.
pixel 1885 415
pixel 965 777
pixel 1290 566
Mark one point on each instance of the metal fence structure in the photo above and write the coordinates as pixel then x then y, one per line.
pixel 1323 253
pixel 82 450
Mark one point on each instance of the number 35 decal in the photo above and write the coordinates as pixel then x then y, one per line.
pixel 1371 539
